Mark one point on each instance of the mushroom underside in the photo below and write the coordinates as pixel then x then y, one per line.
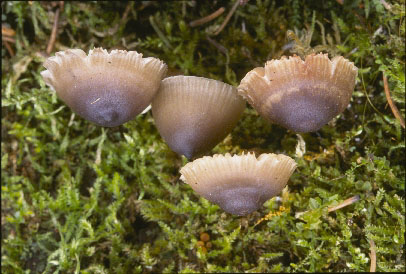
pixel 194 137
pixel 304 111
pixel 106 104
pixel 241 200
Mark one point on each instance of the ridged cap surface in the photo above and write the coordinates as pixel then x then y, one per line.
pixel 193 114
pixel 239 184
pixel 300 95
pixel 107 89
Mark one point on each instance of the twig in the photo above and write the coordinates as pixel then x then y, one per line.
pixel 159 32
pixel 391 104
pixel 344 203
pixel 372 256
pixel 7 31
pixel 6 34
pixel 111 31
pixel 366 94
pixel 9 49
pixel 207 18
pixel 386 5
pixel 8 39
pixel 245 51
pixel 220 47
pixel 72 117
pixel 100 148
pixel 126 12
pixel 54 30
pixel 237 2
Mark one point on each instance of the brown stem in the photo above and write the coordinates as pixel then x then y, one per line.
pixel 51 42
pixel 390 101
pixel 9 49
pixel 373 256
pixel 8 39
pixel 237 2
pixel 126 12
pixel 344 203
pixel 7 31
pixel 220 47
pixel 207 18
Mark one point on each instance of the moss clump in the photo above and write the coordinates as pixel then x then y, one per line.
pixel 77 197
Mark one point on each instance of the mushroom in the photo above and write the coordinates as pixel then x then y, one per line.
pixel 193 114
pixel 107 89
pixel 300 95
pixel 239 184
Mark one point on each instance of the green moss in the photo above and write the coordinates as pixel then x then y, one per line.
pixel 80 198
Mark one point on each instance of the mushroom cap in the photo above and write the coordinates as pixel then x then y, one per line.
pixel 300 95
pixel 193 114
pixel 239 184
pixel 107 89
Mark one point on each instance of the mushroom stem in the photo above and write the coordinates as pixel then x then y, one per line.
pixel 393 107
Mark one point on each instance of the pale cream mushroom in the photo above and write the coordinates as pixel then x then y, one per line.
pixel 300 95
pixel 239 184
pixel 107 89
pixel 193 114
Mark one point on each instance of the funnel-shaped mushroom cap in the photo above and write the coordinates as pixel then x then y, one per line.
pixel 107 89
pixel 300 95
pixel 239 184
pixel 193 114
